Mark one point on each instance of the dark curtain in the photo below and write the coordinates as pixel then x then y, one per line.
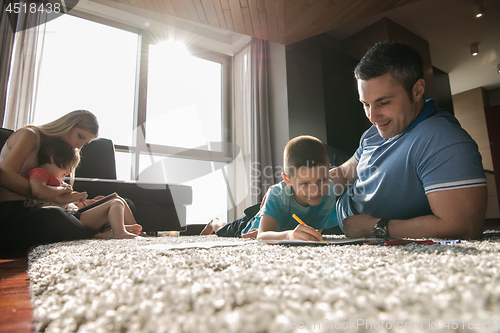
pixel 6 44
pixel 261 131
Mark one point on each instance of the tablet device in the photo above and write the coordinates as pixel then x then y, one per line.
pixel 98 202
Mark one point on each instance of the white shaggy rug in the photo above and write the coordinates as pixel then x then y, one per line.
pixel 138 286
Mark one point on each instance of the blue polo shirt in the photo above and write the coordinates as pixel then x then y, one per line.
pixel 395 175
pixel 280 204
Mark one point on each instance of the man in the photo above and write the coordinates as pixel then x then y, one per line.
pixel 416 173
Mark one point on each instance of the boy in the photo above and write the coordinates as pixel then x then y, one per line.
pixel 57 159
pixel 305 191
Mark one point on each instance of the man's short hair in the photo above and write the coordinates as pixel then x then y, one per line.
pixel 304 151
pixel 402 61
pixel 62 153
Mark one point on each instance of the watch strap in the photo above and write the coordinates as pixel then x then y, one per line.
pixel 382 223
pixel 380 229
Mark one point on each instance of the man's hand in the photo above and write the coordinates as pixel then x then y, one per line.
pixel 358 226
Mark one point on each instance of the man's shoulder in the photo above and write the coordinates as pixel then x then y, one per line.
pixel 442 124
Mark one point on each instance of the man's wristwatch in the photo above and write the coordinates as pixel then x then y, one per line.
pixel 380 229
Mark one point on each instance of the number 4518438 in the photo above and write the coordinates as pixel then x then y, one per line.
pixel 25 8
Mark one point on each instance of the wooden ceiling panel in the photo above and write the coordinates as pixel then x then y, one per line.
pixel 280 21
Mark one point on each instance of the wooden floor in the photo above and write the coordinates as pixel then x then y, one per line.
pixel 16 315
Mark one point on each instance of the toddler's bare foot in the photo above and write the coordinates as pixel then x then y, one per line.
pixel 125 235
pixel 105 235
pixel 110 234
pixel 133 228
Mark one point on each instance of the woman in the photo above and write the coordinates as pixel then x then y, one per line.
pixel 22 227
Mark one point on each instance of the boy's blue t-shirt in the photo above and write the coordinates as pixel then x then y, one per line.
pixel 280 204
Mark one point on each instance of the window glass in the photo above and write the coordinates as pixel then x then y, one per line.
pixel 184 98
pixel 87 65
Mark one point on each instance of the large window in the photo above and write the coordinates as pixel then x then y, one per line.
pixel 161 102
pixel 87 65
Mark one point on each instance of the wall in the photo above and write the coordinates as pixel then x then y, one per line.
pixel 322 94
pixel 443 90
pixel 278 102
pixel 494 96
pixel 345 117
pixel 387 30
pixel 306 108
pixel 469 110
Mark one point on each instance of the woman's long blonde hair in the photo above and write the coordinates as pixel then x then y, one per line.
pixel 83 119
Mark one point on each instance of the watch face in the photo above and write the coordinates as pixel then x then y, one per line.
pixel 379 232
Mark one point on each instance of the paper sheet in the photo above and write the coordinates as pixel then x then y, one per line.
pixel 340 241
pixel 196 245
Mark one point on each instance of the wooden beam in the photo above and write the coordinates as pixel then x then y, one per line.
pixel 201 12
pixel 237 15
pixel 254 14
pixel 210 12
pixel 220 14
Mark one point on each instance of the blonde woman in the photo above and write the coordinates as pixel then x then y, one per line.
pixel 21 226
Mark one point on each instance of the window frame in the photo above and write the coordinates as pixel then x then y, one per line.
pixel 139 146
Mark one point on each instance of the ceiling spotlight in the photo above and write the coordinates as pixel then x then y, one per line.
pixel 478 10
pixel 474 49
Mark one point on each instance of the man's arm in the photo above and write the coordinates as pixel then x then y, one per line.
pixel 457 213
pixel 268 230
pixel 344 175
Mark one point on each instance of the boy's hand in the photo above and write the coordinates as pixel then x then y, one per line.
pixel 252 233
pixel 304 232
pixel 63 189
pixel 66 186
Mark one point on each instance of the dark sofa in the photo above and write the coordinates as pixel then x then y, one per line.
pixel 157 207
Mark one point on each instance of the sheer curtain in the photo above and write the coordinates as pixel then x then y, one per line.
pixel 254 172
pixel 22 79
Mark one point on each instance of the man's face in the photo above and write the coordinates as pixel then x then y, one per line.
pixel 387 104
pixel 309 185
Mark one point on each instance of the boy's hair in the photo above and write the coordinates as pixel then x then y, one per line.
pixel 402 61
pixel 62 153
pixel 304 151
